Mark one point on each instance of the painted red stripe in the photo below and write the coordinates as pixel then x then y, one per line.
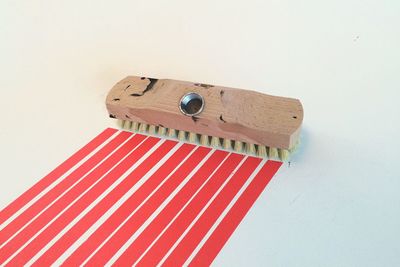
pixel 199 229
pixel 59 205
pixel 53 253
pixel 138 207
pixel 125 210
pixel 68 215
pixel 51 195
pixel 224 230
pixel 136 221
pixel 137 248
pixel 37 188
pixel 194 207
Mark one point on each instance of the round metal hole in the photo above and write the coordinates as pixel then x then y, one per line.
pixel 191 104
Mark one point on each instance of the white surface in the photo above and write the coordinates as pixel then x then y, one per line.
pixel 339 202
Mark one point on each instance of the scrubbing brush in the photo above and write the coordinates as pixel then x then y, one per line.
pixel 221 117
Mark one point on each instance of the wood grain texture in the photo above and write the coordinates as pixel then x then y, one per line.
pixel 230 113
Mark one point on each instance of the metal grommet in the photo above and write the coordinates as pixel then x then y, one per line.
pixel 191 104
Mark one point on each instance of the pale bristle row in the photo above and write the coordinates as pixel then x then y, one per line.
pixel 143 127
pixel 250 149
pixel 152 129
pixel 215 142
pixel 193 138
pixel 135 126
pixel 127 125
pixel 238 146
pixel 212 141
pixel 262 151
pixel 273 153
pixel 227 144
pixel 204 140
pixel 182 135
pixel 284 154
pixel 161 130
pixel 171 133
pixel 120 123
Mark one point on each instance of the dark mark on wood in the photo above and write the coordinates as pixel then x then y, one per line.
pixel 148 87
pixel 204 85
pixel 195 119
pixel 142 78
pixel 112 116
pixel 221 93
pixel 127 86
pixel 151 84
pixel 160 125
pixel 116 99
pixel 126 116
pixel 222 119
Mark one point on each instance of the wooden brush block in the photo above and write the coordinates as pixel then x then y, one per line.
pixel 229 113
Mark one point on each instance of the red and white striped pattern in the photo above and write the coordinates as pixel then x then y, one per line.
pixel 129 199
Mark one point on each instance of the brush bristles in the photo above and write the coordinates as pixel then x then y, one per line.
pixel 250 149
pixel 143 127
pixel 120 124
pixel 171 133
pixel 215 142
pixel 135 126
pixel 204 140
pixel 227 144
pixel 212 141
pixel 262 151
pixel 273 153
pixel 162 130
pixel 193 138
pixel 127 125
pixel 182 135
pixel 284 154
pixel 152 129
pixel 238 147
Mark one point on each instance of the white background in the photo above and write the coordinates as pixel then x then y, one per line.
pixel 339 202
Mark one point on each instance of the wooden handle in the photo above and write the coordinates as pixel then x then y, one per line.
pixel 229 113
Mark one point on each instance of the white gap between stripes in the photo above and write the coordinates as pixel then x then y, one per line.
pixel 221 217
pixel 202 211
pixel 72 203
pixel 183 208
pixel 56 182
pixel 61 195
pixel 156 212
pixel 93 204
pixel 120 202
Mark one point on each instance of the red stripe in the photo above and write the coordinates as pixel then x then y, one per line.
pixel 136 221
pixel 60 204
pixel 138 209
pixel 36 189
pixel 51 195
pixel 194 207
pixel 199 229
pixel 53 253
pixel 137 248
pixel 58 225
pixel 224 230
pixel 111 223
